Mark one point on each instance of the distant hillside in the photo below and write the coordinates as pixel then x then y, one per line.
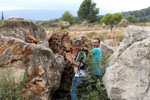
pixel 35 14
pixel 138 13
pixel 142 15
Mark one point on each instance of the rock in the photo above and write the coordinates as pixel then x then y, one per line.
pixel 22 29
pixel 86 41
pixel 106 49
pixel 64 23
pixel 60 42
pixel 15 18
pixel 84 23
pixel 124 23
pixel 37 62
pixel 127 75
pixel 55 24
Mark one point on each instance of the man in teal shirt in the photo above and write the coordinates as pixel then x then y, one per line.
pixel 96 57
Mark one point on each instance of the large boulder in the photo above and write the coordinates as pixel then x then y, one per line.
pixel 127 75
pixel 64 23
pixel 37 61
pixel 61 43
pixel 85 23
pixel 124 23
pixel 21 29
pixel 106 49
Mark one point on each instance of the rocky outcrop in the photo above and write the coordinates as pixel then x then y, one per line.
pixel 124 23
pixel 21 29
pixel 61 43
pixel 42 67
pixel 64 23
pixel 106 49
pixel 84 23
pixel 127 75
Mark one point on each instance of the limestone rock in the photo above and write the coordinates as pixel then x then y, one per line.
pixel 106 49
pixel 127 75
pixel 15 18
pixel 124 23
pixel 42 67
pixel 84 23
pixel 64 23
pixel 22 29
pixel 60 42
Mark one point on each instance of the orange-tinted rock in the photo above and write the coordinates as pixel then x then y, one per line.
pixel 36 60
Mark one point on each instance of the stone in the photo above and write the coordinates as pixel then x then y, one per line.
pixel 127 75
pixel 21 29
pixel 64 23
pixel 85 23
pixel 37 62
pixel 15 18
pixel 124 23
pixel 61 43
pixel 106 49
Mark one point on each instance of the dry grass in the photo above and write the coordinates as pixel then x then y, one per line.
pixel 107 35
pixel 85 28
pixel 141 24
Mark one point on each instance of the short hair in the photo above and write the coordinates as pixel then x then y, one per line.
pixel 77 41
pixel 99 41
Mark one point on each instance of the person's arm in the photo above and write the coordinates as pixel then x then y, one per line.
pixel 79 59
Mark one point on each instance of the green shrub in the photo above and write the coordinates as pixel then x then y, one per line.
pixel 63 27
pixel 67 16
pixel 9 90
pixel 94 89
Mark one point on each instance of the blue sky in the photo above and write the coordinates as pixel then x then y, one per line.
pixel 103 5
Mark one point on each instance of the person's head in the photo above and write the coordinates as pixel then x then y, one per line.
pixel 95 42
pixel 77 45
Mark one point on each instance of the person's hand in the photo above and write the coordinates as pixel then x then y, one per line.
pixel 69 57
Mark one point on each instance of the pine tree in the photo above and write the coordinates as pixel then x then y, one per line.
pixel 88 11
pixel 2 16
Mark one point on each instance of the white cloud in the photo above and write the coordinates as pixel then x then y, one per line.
pixel 107 5
pixel 122 5
pixel 9 8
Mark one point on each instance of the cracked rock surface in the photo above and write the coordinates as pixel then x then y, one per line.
pixel 127 75
pixel 37 61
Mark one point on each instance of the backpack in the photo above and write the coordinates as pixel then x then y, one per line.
pixel 83 63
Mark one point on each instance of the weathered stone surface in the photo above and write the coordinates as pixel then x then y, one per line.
pixel 42 66
pixel 15 18
pixel 106 49
pixel 60 43
pixel 64 23
pixel 22 29
pixel 127 75
pixel 84 23
pixel 124 23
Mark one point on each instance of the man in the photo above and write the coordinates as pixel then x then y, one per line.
pixel 96 57
pixel 78 63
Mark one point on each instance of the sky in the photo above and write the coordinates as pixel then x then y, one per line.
pixel 103 5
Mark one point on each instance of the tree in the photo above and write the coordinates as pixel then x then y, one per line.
pixel 2 16
pixel 88 11
pixel 67 16
pixel 112 19
pixel 132 19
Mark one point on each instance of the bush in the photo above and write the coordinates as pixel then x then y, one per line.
pixel 67 16
pixel 94 89
pixel 9 90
